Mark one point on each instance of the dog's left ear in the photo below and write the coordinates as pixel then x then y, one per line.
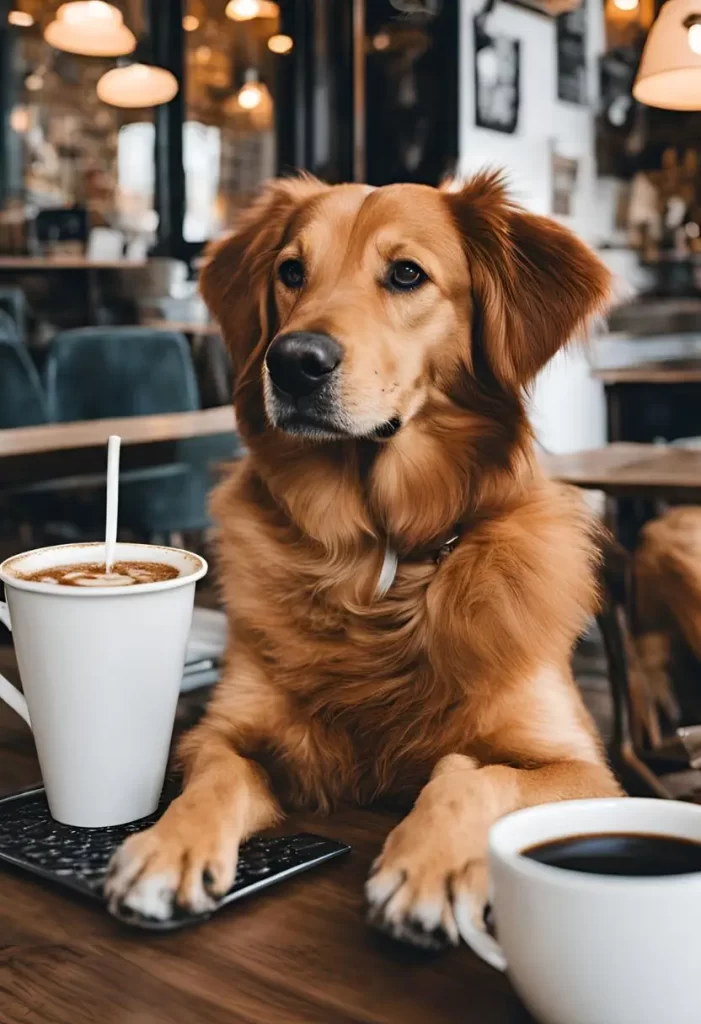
pixel 534 283
pixel 236 275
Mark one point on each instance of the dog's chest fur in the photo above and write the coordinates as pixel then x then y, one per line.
pixel 370 711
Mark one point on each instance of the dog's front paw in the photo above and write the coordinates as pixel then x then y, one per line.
pixel 178 864
pixel 425 883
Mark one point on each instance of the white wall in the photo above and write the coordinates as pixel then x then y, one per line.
pixel 568 409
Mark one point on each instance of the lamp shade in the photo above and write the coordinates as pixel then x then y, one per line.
pixel 91 28
pixel 137 85
pixel 670 69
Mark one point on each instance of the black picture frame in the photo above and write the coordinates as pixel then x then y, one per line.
pixel 571 32
pixel 497 65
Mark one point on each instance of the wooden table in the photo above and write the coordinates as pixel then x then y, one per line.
pixel 632 470
pixel 19 266
pixel 22 264
pixel 193 328
pixel 649 400
pixel 652 473
pixel 59 449
pixel 299 953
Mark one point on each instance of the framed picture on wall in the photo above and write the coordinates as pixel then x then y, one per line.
pixel 572 56
pixel 564 173
pixel 497 80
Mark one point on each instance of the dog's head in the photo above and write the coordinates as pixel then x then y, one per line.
pixel 349 310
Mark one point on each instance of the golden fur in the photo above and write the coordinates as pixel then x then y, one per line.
pixel 457 680
pixel 667 623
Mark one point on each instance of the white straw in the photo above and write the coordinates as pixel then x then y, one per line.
pixel 113 445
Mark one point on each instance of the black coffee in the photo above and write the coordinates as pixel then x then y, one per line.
pixel 620 853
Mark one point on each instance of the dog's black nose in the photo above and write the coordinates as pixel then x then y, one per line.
pixel 300 362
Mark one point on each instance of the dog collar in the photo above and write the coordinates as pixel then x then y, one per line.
pixel 435 552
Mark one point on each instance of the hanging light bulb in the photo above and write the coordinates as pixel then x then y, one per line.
pixel 19 120
pixel 92 28
pixel 252 92
pixel 20 19
pixel 280 43
pixel 191 23
pixel 694 36
pixel 137 85
pixel 242 10
pixel 247 10
pixel 625 5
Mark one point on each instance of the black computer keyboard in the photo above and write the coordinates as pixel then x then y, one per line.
pixel 77 858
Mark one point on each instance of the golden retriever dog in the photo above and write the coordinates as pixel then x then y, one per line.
pixel 403 585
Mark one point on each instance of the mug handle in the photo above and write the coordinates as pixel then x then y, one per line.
pixel 479 941
pixel 9 693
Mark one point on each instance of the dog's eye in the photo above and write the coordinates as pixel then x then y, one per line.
pixel 291 273
pixel 404 275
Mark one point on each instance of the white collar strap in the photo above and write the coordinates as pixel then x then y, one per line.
pixel 439 549
pixel 388 571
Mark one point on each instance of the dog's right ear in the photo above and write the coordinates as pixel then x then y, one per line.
pixel 236 277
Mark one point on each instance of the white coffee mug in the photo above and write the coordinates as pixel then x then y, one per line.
pixel 595 949
pixel 101 669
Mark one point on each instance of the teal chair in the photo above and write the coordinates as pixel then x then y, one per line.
pixel 13 304
pixel 8 328
pixel 22 404
pixel 99 373
pixel 22 399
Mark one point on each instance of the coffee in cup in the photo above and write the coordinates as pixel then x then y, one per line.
pixel 623 854
pixel 95 574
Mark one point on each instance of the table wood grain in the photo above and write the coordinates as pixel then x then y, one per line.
pixel 299 953
pixel 650 373
pixel 46 263
pixel 632 470
pixel 193 328
pixel 54 450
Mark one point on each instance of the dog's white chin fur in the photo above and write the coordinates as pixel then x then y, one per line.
pixel 342 430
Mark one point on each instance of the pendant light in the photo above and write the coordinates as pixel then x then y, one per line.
pixel 136 84
pixel 670 69
pixel 20 19
pixel 92 28
pixel 137 81
pixel 280 43
pixel 252 93
pixel 247 10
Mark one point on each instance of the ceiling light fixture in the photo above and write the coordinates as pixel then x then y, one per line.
pixel 136 85
pixel 91 28
pixel 19 120
pixel 693 26
pixel 247 10
pixel 280 43
pixel 252 92
pixel 669 75
pixel 20 19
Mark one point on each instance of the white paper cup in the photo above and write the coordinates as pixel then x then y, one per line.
pixel 101 669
